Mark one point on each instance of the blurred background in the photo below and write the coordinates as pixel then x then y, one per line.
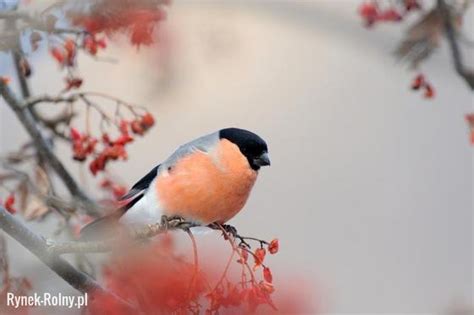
pixel 370 188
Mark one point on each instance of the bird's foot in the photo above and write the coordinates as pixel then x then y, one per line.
pixel 167 220
pixel 229 229
pixel 176 221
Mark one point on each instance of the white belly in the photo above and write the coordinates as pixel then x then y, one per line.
pixel 146 211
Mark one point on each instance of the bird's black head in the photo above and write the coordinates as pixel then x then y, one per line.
pixel 252 146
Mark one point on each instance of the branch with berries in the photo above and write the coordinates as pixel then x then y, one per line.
pixel 151 230
pixel 254 289
pixel 424 36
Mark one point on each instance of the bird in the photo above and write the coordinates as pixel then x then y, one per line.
pixel 205 181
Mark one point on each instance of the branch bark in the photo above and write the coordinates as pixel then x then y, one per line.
pixel 451 35
pixel 142 233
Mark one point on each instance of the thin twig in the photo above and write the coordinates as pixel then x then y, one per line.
pixel 32 101
pixel 451 35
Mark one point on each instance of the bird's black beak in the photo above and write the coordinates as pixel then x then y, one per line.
pixel 262 160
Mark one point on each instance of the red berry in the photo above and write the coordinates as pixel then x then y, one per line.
pixel 470 119
pixel 98 164
pixel 58 54
pixel 147 120
pixel 418 82
pixel 9 203
pixel 137 128
pixel 429 91
pixel 123 139
pixel 73 83
pixel 101 43
pixel 412 5
pixel 244 255
pixel 259 256
pixel 123 126
pixel 390 15
pixel 70 46
pixel 369 12
pixel 119 191
pixel 267 275
pixel 75 134
pixel 90 45
pixel 273 246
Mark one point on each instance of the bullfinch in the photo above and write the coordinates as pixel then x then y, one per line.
pixel 205 181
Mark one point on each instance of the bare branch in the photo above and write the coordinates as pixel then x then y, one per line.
pixel 44 149
pixel 32 101
pixel 451 35
pixel 64 208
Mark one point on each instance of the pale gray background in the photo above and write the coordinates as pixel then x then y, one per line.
pixel 370 188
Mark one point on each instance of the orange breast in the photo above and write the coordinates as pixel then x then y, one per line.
pixel 207 187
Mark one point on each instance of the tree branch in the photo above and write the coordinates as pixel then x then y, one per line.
pixel 142 233
pixel 36 245
pixel 28 121
pixel 449 19
pixel 35 22
pixel 32 101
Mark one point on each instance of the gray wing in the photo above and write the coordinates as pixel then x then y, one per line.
pixel 203 144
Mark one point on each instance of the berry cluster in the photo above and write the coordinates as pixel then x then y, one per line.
pixel 66 54
pixel 420 82
pixel 249 291
pixel 371 12
pixel 138 22
pixel 84 145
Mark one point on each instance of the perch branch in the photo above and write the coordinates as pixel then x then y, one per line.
pixel 142 233
pixel 32 101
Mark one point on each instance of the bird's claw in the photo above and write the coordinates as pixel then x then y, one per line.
pixel 229 229
pixel 178 222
